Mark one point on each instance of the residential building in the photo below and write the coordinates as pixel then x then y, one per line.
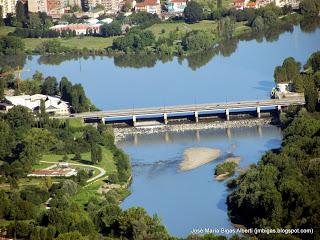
pixel 111 6
pixel 80 29
pixel 54 4
pixel 150 6
pixel 8 6
pixel 239 4
pixel 37 6
pixel 73 3
pixel 292 3
pixel 176 6
pixel 251 5
pixel 53 105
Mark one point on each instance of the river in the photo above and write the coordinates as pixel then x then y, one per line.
pixel 192 199
pixel 247 74
pixel 242 70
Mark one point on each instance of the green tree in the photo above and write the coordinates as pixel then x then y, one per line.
pixel 257 24
pixel 96 153
pixel 65 88
pixel 193 12
pixel 112 29
pixel 43 116
pixel 2 87
pixel 197 41
pixel 270 18
pixel 311 94
pixel 280 75
pixel 310 7
pixel 1 16
pixel 20 118
pixel 36 142
pixel 10 45
pixel 226 28
pixel 69 187
pixel 7 141
pixel 20 13
pixel 50 86
pixel 292 68
pixel 34 21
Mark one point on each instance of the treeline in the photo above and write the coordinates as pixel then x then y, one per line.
pixel 72 93
pixel 283 190
pixel 307 82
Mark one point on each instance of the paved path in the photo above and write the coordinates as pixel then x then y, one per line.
pixel 101 174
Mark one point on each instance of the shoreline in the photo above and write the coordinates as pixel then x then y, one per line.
pixel 121 133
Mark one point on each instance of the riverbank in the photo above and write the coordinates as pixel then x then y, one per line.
pixel 121 133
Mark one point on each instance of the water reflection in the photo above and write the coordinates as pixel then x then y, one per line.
pixel 195 61
pixel 200 135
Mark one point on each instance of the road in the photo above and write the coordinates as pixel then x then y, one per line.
pixel 101 174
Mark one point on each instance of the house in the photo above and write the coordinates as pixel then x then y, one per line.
pixel 53 105
pixel 150 6
pixel 239 4
pixel 79 29
pixel 251 5
pixel 176 6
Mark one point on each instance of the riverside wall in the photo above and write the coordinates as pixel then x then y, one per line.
pixel 122 132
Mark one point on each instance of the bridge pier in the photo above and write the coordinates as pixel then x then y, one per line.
pixel 196 116
pixel 258 112
pixel 134 120
pixel 165 118
pixel 227 114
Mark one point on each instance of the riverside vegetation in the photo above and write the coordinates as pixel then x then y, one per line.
pixel 283 190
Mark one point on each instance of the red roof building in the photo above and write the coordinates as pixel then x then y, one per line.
pixel 150 6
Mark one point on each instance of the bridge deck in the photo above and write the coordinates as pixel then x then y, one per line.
pixel 193 108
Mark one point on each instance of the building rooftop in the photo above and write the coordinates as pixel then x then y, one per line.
pixel 147 3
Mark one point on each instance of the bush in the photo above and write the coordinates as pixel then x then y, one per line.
pixel 225 167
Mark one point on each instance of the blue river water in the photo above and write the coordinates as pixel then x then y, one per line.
pixel 190 200
pixel 245 75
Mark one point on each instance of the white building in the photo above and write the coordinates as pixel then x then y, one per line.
pixel 176 6
pixel 53 105
pixel 37 6
pixel 79 29
pixel 8 6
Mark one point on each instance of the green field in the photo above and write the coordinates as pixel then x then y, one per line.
pixel 107 162
pixel 88 192
pixel 182 26
pixel 206 25
pixel 96 43
pixel 5 30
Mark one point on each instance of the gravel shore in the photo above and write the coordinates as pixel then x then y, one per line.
pixel 196 157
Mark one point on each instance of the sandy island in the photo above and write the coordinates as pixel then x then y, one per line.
pixel 196 157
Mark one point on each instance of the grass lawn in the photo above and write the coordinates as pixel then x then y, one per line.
pixel 206 25
pixel 107 162
pixel 5 30
pixel 97 43
pixel 168 27
pixel 86 193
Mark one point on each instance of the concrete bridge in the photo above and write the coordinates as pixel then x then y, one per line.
pixel 195 111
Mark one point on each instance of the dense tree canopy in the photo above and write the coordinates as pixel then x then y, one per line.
pixel 193 12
